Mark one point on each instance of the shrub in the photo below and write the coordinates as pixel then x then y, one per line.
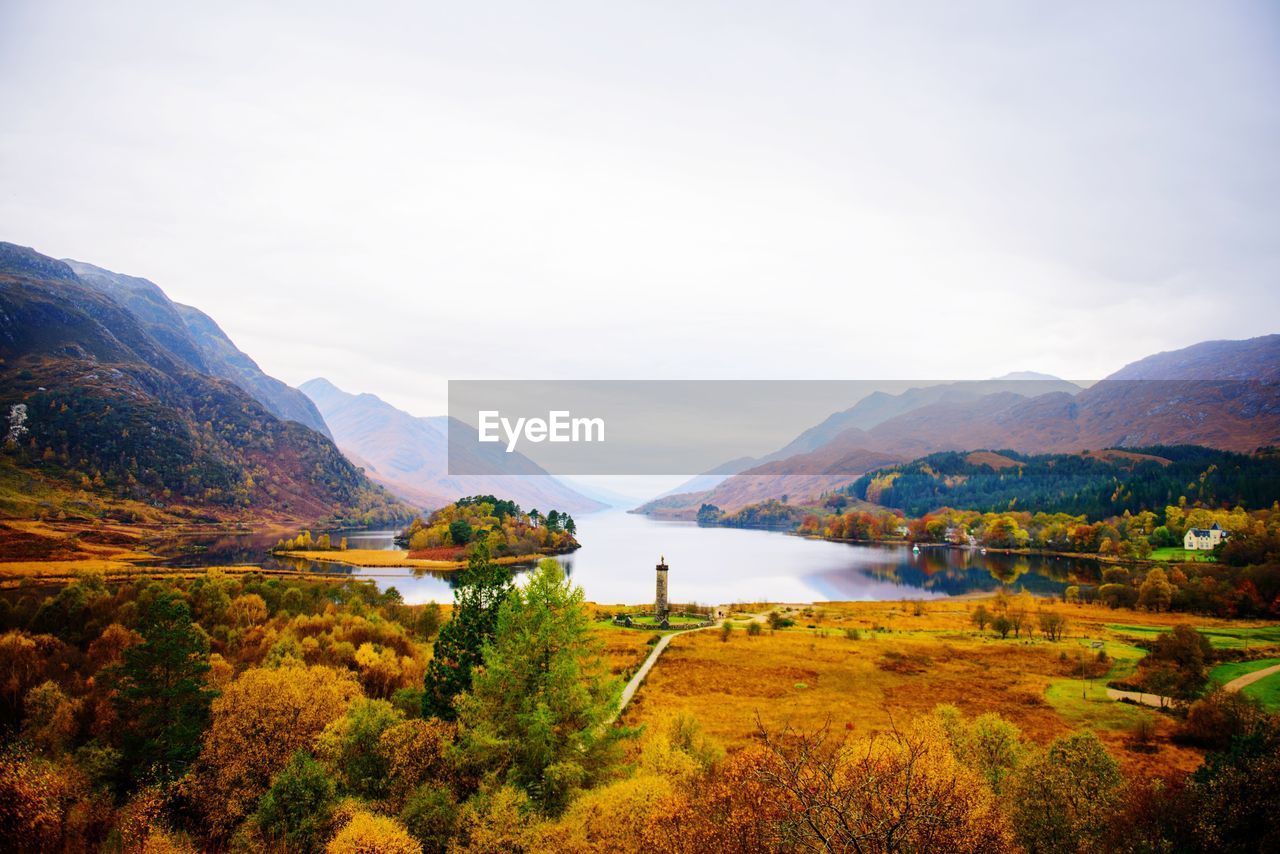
pixel 295 811
pixel 754 629
pixel 431 817
pixel 367 833
pixel 853 634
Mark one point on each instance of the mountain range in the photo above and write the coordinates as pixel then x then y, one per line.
pixel 409 455
pixel 111 388
pixel 1220 394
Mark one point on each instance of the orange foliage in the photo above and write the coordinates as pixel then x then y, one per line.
pixel 367 833
pixel 261 719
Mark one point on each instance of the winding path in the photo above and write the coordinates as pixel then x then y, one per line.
pixel 636 680
pixel 1249 678
pixel 1163 702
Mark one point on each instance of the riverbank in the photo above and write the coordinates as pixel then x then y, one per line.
pixel 398 558
pixel 1160 557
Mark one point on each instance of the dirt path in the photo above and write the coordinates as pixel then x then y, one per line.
pixel 1164 702
pixel 1249 678
pixel 1156 700
pixel 638 679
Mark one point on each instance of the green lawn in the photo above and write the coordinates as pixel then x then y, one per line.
pixel 1223 638
pixel 1181 555
pixel 1265 691
pixel 1087 705
pixel 1224 673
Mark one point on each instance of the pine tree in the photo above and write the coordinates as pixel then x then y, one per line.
pixel 482 589
pixel 538 709
pixel 161 690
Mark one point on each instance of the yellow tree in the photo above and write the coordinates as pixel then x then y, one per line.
pixel 258 722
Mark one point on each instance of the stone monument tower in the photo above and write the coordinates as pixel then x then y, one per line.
pixel 660 600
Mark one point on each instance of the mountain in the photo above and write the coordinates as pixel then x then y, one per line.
pixel 1218 394
pixel 194 337
pixel 409 455
pixel 879 407
pixel 116 404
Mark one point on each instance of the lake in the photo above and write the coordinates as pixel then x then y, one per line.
pixel 716 565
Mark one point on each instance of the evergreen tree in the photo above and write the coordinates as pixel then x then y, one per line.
pixel 481 591
pixel 161 690
pixel 538 709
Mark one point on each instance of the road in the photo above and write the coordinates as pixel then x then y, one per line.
pixel 1163 702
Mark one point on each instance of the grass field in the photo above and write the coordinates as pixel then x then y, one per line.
pixel 903 664
pixel 1177 554
pixel 1265 690
pixel 1223 637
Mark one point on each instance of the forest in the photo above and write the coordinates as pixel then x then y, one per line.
pixel 1109 483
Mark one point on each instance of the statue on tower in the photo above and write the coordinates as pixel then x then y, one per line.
pixel 660 608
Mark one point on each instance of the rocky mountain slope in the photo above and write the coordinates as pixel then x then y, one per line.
pixel 199 342
pixel 102 399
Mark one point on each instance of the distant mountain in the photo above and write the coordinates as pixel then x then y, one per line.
pixel 409 455
pixel 879 407
pixel 116 403
pixel 194 337
pixel 1219 394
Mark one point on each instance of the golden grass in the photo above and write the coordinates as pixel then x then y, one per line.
pixel 903 669
pixel 624 649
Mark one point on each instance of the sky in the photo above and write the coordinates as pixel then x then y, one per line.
pixel 394 195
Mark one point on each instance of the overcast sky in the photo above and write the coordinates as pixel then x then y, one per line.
pixel 392 195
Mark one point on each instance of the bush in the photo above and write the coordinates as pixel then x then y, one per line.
pixel 1220 716
pixel 431 817
pixel 853 634
pixel 295 811
pixel 726 629
pixel 754 629
pixel 366 833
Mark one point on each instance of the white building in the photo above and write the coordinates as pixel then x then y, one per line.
pixel 1203 539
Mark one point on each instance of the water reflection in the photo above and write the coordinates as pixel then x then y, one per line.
pixel 708 565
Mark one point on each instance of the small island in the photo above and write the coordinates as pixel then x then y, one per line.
pixel 445 538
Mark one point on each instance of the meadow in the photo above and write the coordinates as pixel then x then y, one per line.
pixel 862 666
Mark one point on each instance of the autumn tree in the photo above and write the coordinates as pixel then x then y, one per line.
pixel 988 744
pixel 349 746
pixel 1063 797
pixel 295 811
pixel 1052 625
pixel 980 617
pixel 1156 592
pixel 1178 660
pixel 367 833
pixel 262 719
pixel 536 712
pixel 160 690
pixel 904 791
pixel 459 648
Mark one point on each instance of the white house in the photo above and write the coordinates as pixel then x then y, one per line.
pixel 1203 539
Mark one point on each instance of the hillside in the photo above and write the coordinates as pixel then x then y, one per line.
pixel 113 409
pixel 198 341
pixel 409 455
pixel 1095 484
